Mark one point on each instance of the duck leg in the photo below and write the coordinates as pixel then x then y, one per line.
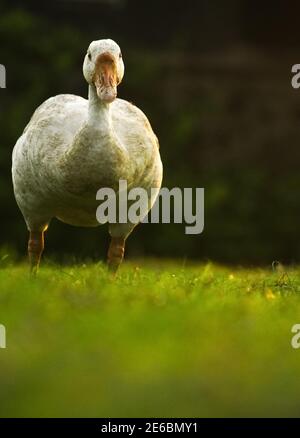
pixel 35 249
pixel 115 253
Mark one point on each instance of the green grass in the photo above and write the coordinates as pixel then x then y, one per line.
pixel 160 340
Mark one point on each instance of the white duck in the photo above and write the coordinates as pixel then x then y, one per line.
pixel 72 147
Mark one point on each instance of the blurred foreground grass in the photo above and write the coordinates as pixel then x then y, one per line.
pixel 160 340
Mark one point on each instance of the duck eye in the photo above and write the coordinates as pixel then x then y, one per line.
pixel 120 55
pixel 89 56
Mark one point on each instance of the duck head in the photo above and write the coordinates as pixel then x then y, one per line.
pixel 103 68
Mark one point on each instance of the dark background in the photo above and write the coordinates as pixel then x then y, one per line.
pixel 213 77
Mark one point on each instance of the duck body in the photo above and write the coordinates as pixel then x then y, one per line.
pixel 56 176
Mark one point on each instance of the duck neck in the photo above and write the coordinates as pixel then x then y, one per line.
pixel 99 115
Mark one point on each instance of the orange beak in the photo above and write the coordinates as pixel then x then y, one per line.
pixel 105 77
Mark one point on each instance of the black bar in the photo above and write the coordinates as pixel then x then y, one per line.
pixel 93 427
